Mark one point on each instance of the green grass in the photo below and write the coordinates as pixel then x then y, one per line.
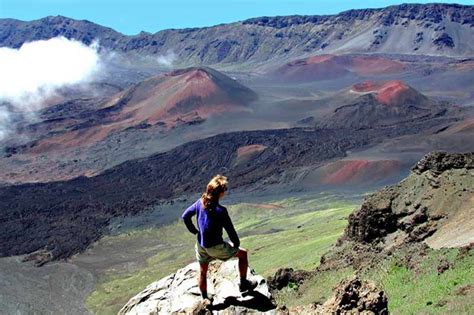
pixel 424 291
pixel 295 235
pixel 418 291
pixel 316 289
pixel 300 248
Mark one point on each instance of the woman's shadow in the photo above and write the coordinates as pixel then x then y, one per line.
pixel 258 302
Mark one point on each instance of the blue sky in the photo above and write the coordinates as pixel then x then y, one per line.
pixel 131 17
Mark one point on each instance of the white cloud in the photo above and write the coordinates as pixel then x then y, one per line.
pixel 36 70
pixel 167 60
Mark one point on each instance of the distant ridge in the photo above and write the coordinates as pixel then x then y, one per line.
pixel 422 29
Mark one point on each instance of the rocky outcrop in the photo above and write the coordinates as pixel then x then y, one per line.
pixel 433 204
pixel 179 293
pixel 432 207
pixel 438 162
pixel 351 296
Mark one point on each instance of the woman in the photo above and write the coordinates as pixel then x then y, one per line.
pixel 211 218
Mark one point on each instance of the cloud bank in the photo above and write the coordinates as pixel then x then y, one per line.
pixel 36 70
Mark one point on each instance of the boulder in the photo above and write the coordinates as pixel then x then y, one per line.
pixel 356 296
pixel 284 276
pixel 179 294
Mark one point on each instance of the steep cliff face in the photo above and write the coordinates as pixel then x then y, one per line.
pixel 435 29
pixel 432 207
pixel 435 204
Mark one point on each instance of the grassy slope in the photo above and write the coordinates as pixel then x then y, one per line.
pixel 315 290
pixel 424 290
pixel 419 290
pixel 292 232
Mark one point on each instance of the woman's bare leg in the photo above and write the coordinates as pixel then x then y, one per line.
pixel 202 282
pixel 243 263
pixel 245 284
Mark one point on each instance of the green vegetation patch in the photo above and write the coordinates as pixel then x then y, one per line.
pixel 314 290
pixel 442 282
pixel 431 282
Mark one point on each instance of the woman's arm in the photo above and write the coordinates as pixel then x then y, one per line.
pixel 187 215
pixel 229 228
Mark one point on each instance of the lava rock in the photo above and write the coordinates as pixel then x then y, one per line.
pixel 438 162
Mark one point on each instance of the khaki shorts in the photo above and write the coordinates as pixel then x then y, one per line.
pixel 222 251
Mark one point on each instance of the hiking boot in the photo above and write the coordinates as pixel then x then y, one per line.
pixel 247 285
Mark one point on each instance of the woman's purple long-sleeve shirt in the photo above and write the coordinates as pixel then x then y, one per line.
pixel 210 224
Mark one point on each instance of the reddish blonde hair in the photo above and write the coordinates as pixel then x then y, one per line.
pixel 215 187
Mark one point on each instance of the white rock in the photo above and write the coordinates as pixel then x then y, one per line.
pixel 179 293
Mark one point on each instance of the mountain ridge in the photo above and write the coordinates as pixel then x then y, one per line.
pixel 431 29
